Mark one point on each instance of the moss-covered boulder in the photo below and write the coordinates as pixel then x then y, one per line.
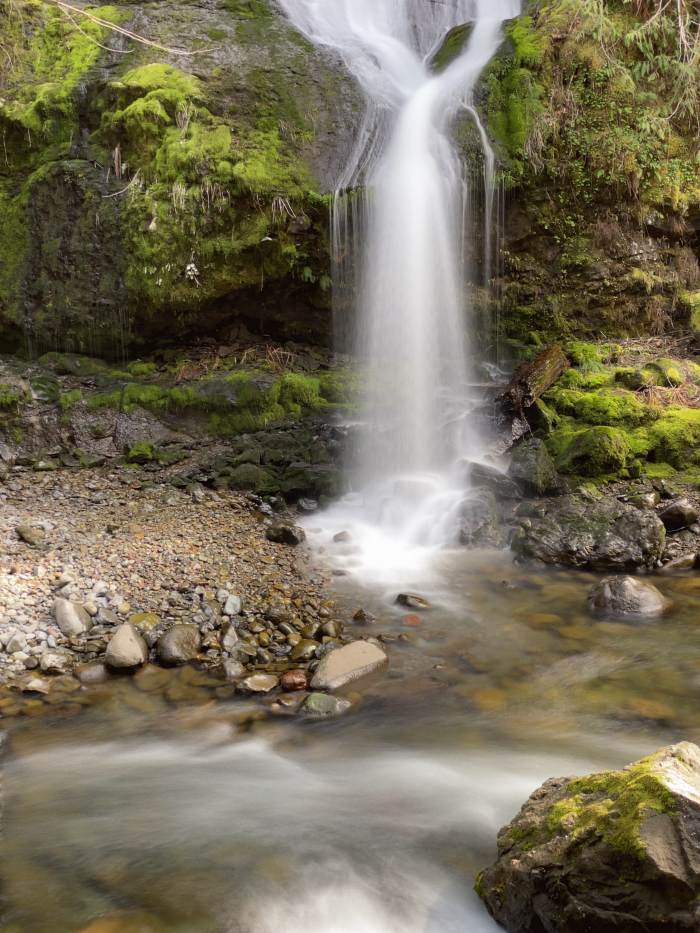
pixel 611 852
pixel 602 535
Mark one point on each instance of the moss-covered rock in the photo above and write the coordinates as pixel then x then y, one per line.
pixel 143 192
pixel 608 852
pixel 596 451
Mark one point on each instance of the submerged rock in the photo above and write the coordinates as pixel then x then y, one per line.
pixel 323 706
pixel 627 598
pixel 478 524
pixel 610 853
pixel 412 601
pixel 348 664
pixel 603 535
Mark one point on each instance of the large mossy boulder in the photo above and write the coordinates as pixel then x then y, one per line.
pixel 533 469
pixel 617 852
pixel 602 535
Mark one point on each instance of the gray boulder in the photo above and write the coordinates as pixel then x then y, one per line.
pixel 617 852
pixel 478 520
pixel 602 535
pixel 284 533
pixel 679 514
pixel 627 597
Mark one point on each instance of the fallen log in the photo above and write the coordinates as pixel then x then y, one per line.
pixel 532 379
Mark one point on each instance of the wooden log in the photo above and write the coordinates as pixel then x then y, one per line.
pixel 531 380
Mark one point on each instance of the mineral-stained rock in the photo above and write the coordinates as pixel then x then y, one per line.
pixel 627 597
pixel 603 535
pixel 617 852
pixel 348 664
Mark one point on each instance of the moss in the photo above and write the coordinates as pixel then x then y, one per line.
pixel 68 400
pixel 671 371
pixel 587 379
pixel 142 452
pixel 10 398
pixel 614 805
pixel 141 370
pixel 597 451
pixel 587 356
pixel 675 437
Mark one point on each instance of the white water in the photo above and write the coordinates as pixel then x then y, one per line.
pixel 412 220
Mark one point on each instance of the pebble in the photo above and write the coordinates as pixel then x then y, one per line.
pixel 323 706
pixel 71 618
pixel 292 681
pixel 258 683
pixel 179 645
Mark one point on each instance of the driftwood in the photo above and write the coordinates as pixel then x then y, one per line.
pixel 531 380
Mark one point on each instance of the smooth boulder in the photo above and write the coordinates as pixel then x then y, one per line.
pixel 71 618
pixel 347 664
pixel 679 514
pixel 284 533
pixel 626 597
pixel 179 645
pixel 610 853
pixel 126 648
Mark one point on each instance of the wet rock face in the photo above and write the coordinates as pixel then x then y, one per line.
pixel 612 852
pixel 604 535
pixel 533 470
pixel 627 598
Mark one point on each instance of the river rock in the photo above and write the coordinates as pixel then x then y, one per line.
pixel 679 514
pixel 627 597
pixel 55 662
pixel 258 683
pixel 292 681
pixel 232 605
pixel 126 648
pixel 31 535
pixel 412 601
pixel 91 674
pixel 285 533
pixel 348 664
pixel 490 477
pixel 323 706
pixel 71 618
pixel 533 469
pixel 602 535
pixel 617 852
pixel 179 645
pixel 478 520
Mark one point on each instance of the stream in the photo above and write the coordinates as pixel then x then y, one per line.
pixel 176 809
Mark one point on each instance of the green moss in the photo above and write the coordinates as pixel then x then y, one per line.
pixel 675 437
pixel 614 805
pixel 10 398
pixel 588 357
pixel 671 371
pixel 597 451
pixel 141 370
pixel 142 452
pixel 586 379
pixel 68 400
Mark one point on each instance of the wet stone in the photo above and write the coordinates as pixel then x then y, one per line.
pixel 258 683
pixel 348 664
pixel 292 681
pixel 305 650
pixel 412 601
pixel 323 706
pixel 179 645
pixel 126 649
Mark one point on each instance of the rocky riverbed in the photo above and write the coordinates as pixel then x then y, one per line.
pixel 110 574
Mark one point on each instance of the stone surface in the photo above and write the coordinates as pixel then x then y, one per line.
pixel 679 514
pixel 284 533
pixel 617 852
pixel 179 645
pixel 602 535
pixel 478 524
pixel 70 617
pixel 347 664
pixel 412 601
pixel 533 469
pixel 258 683
pixel 30 534
pixel 626 597
pixel 126 648
pixel 292 681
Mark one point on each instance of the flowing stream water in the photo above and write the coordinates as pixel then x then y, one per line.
pixel 183 809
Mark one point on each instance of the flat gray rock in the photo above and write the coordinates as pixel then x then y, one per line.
pixel 348 664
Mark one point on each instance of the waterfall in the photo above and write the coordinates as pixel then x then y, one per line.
pixel 403 212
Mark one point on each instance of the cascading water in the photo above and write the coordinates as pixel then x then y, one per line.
pixel 410 213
